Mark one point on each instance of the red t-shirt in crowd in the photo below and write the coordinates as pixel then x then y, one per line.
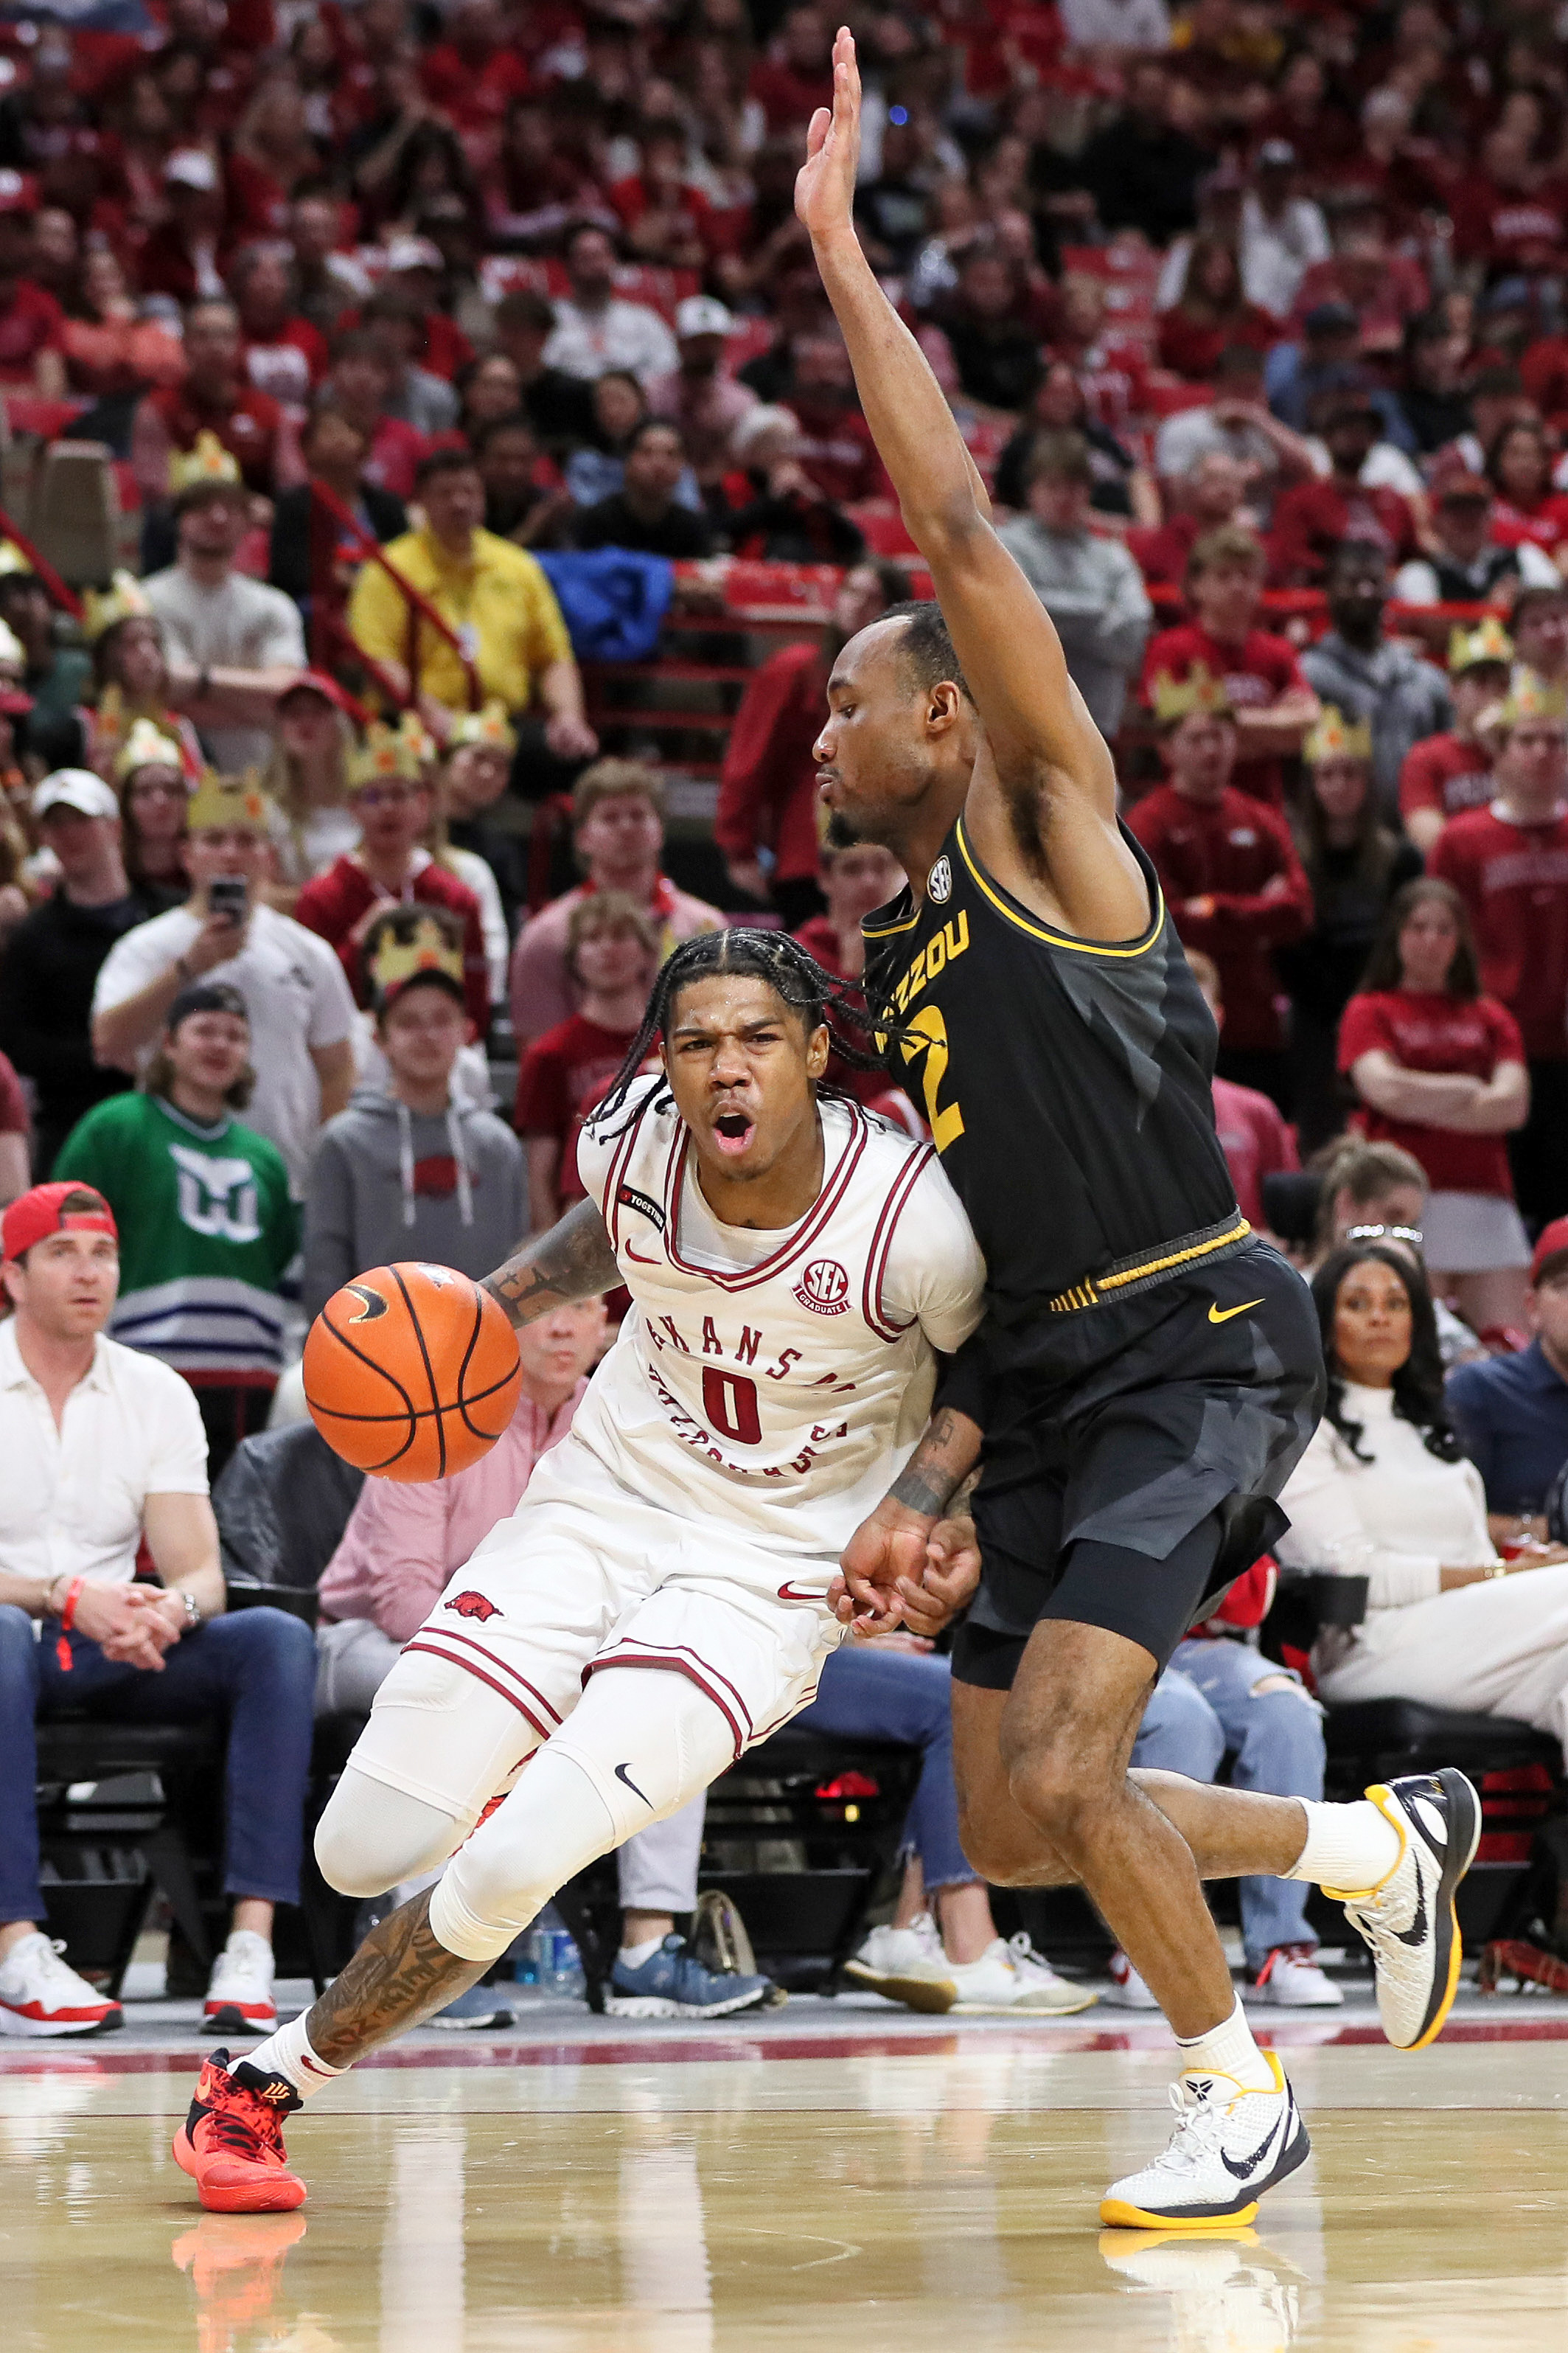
pixel 1426 1030
pixel 1545 524
pixel 1514 880
pixel 1444 772
pixel 394 456
pixel 1310 519
pixel 332 903
pixel 1161 550
pixel 1256 1140
pixel 248 427
pixel 30 323
pixel 1230 853
pixel 1257 672
pixel 563 1074
pixel 767 791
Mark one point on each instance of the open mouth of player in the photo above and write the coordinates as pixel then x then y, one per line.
pixel 732 1131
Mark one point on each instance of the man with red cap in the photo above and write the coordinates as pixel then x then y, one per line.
pixel 1511 1412
pixel 103 1446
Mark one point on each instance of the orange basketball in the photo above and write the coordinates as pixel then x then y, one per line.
pixel 410 1372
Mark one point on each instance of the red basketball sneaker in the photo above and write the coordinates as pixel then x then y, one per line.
pixel 231 2144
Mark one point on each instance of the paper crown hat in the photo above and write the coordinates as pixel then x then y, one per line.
pixel 1176 698
pixel 207 463
pixel 1530 697
pixel 1489 641
pixel 147 746
pixel 228 801
pixel 417 739
pixel 384 752
pixel 395 962
pixel 1335 737
pixel 490 728
pixel 125 599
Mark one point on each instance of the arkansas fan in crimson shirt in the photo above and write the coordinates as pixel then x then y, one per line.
pixel 1513 879
pixel 1429 1030
pixel 563 1074
pixel 1256 1143
pixel 333 903
pixel 1447 773
pixel 1258 671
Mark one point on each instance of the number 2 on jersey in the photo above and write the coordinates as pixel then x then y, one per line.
pixel 946 1125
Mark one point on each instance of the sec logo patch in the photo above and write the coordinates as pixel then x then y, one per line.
pixel 938 883
pixel 823 1287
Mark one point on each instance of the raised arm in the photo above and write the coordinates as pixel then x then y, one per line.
pixel 1054 779
pixel 572 1261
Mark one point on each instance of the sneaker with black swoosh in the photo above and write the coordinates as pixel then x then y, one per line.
pixel 1230 2145
pixel 1408 1919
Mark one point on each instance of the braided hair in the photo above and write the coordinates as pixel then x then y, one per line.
pixel 791 971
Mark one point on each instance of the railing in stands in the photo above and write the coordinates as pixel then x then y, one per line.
pixel 331 523
pixel 66 599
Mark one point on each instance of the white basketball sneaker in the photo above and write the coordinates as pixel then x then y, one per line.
pixel 1293 1978
pixel 1043 1991
pixel 1228 2148
pixel 1408 1919
pixel 1126 1989
pixel 906 1965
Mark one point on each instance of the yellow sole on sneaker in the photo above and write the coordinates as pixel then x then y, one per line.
pixel 1117 2215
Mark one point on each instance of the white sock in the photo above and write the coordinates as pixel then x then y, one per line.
pixel 1349 1847
pixel 288 2054
pixel 1229 2049
pixel 635 1956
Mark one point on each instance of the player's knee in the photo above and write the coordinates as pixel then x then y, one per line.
pixel 371 1836
pixel 1060 1789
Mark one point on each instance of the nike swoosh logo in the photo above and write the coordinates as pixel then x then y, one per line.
pixel 1416 1933
pixel 639 1258
pixel 1218 1315
pixel 801 1593
pixel 622 1774
pixel 1243 2168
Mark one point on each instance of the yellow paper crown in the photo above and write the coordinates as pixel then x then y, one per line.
pixel 490 728
pixel 384 752
pixel 417 739
pixel 1175 698
pixel 1489 641
pixel 1530 697
pixel 147 746
pixel 224 801
pixel 1335 737
pixel 427 949
pixel 125 599
pixel 206 460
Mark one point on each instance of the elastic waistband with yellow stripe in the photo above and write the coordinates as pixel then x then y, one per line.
pixel 1141 1272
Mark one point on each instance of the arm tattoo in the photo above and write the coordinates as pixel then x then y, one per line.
pixel 572 1261
pixel 939 1464
pixel 399 1977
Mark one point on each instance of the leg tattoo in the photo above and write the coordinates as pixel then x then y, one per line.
pixel 400 1976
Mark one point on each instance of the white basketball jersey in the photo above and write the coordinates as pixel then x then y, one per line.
pixel 779 1380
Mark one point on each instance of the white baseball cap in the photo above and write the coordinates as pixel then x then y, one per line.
pixel 700 314
pixel 78 789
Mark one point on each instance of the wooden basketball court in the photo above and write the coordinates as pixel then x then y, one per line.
pixel 833 2176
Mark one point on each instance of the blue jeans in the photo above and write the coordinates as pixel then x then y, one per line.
pixel 885 1694
pixel 1203 1705
pixel 256 1668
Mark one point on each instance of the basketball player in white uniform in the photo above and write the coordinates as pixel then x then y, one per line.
pixel 659 1601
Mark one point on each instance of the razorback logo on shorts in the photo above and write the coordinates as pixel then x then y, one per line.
pixel 471 1605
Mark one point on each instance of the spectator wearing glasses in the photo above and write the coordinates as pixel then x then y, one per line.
pixel 1440 1069
pixel 104 1450
pixel 1384 1492
pixel 1511 1412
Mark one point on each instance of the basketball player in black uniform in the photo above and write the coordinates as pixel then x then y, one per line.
pixel 1149 1372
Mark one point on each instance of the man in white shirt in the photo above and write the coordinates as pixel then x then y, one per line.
pixel 234 644
pixel 300 1007
pixel 1282 233
pixel 104 1446
pixel 595 329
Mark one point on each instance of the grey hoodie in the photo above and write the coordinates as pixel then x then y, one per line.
pixel 387 1184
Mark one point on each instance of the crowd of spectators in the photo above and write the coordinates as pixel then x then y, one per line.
pixel 428 347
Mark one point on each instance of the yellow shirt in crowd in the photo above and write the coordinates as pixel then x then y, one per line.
pixel 499 601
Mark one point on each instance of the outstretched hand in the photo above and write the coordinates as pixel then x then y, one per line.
pixel 825 185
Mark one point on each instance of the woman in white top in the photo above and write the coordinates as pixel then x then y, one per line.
pixel 1382 1492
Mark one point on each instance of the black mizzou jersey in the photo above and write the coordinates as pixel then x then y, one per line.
pixel 1067 1085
